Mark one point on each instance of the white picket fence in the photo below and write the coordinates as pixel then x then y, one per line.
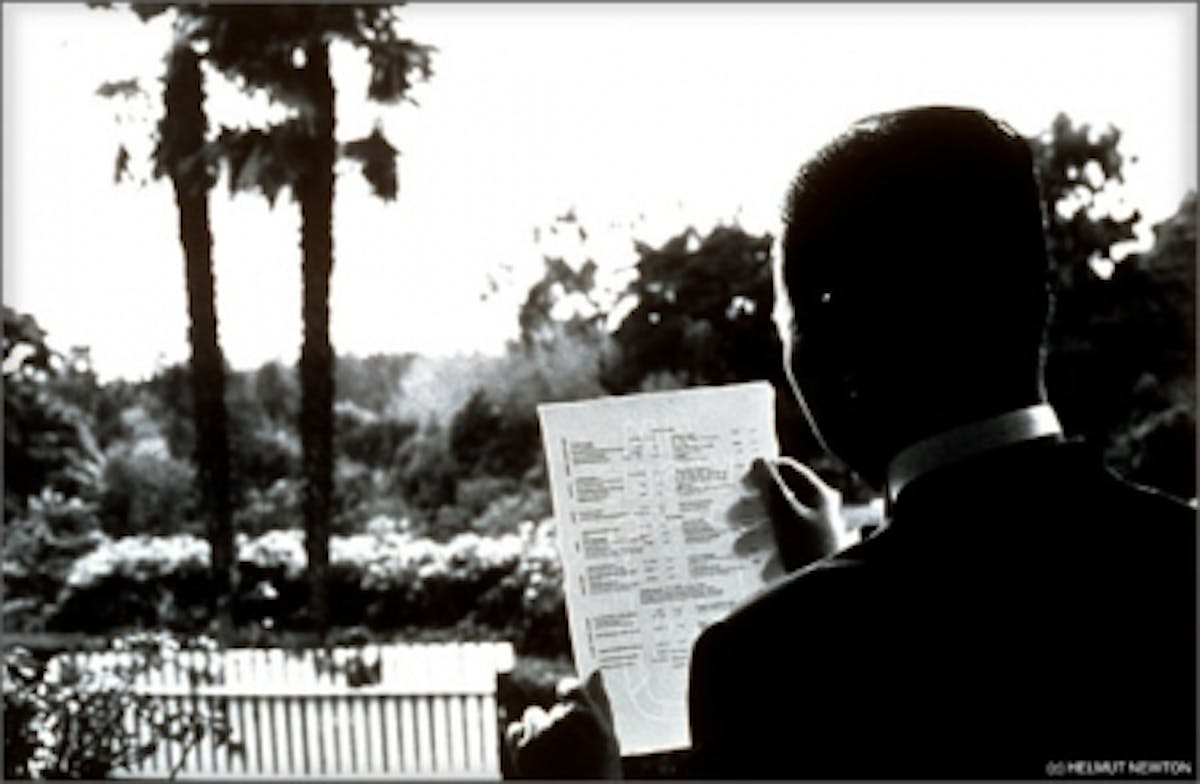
pixel 428 711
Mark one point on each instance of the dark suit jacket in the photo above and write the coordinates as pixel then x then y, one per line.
pixel 1021 608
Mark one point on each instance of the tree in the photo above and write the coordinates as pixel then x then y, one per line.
pixel 285 51
pixel 181 155
pixel 487 438
pixel 702 311
pixel 560 281
pixel 1121 355
pixel 371 382
pixel 51 468
pixel 570 286
pixel 48 444
pixel 1152 440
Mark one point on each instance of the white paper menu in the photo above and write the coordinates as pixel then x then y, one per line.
pixel 640 485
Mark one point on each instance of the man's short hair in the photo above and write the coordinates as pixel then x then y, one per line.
pixel 931 219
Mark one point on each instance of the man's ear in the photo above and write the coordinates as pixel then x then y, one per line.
pixel 782 313
pixel 784 317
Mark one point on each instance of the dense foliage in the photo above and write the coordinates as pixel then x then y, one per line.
pixel 1121 366
pixel 64 720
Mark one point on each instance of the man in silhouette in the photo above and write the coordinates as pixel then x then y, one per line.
pixel 1023 613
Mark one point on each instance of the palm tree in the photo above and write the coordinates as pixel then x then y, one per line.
pixel 285 50
pixel 180 154
pixel 314 190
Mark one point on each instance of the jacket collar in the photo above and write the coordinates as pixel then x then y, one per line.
pixel 953 446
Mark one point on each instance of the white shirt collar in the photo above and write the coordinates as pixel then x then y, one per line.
pixel 958 444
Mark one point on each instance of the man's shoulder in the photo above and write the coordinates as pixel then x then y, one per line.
pixel 1163 532
pixel 1156 503
pixel 1078 469
pixel 1142 519
pixel 806 599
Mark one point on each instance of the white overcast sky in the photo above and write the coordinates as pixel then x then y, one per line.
pixel 643 118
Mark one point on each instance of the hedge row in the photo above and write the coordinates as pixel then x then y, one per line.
pixel 504 586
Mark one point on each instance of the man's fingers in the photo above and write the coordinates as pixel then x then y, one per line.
pixel 773 568
pixel 747 510
pixel 755 540
pixel 573 740
pixel 511 747
pixel 754 477
pixel 764 489
pixel 513 735
pixel 533 721
pixel 559 710
pixel 567 687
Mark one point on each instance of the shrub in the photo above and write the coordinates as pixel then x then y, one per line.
pixel 276 506
pixel 263 452
pixel 146 489
pixel 483 586
pixel 366 437
pixel 40 549
pixel 137 581
pixel 64 720
pixel 505 513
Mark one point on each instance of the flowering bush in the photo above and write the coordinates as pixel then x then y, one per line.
pixel 40 549
pixel 508 585
pixel 141 558
pixel 281 550
pixel 67 719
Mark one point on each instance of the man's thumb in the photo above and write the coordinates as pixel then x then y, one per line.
pixel 805 485
pixel 804 532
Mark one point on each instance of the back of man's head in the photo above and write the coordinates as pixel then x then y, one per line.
pixel 915 262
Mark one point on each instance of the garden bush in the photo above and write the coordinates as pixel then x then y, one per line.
pixel 65 721
pixel 145 489
pixel 485 587
pixel 40 548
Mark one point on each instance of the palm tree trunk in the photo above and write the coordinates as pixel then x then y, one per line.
pixel 315 191
pixel 183 129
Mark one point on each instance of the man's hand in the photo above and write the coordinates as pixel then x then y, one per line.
pixel 573 740
pixel 784 506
